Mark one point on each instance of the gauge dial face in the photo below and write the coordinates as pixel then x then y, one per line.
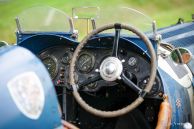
pixel 132 61
pixel 85 62
pixel 51 65
pixel 66 58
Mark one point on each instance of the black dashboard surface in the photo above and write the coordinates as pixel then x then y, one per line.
pixel 136 66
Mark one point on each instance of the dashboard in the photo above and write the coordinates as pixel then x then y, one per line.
pixel 136 67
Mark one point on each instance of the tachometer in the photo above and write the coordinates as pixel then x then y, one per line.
pixel 51 64
pixel 85 62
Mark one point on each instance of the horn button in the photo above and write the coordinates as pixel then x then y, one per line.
pixel 111 69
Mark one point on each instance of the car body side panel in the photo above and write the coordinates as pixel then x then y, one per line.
pixel 177 85
pixel 17 62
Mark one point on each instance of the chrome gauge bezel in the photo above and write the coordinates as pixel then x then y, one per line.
pixel 69 55
pixel 91 65
pixel 136 61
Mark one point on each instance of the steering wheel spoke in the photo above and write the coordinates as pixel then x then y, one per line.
pixel 129 83
pixel 90 80
pixel 116 40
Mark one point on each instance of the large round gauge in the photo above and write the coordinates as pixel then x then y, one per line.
pixel 51 64
pixel 155 88
pixel 85 62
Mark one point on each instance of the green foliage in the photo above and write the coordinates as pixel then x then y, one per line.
pixel 165 12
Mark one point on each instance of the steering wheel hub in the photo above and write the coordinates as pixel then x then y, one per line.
pixel 111 69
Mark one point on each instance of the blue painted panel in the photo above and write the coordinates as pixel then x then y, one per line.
pixel 37 43
pixel 15 61
pixel 176 94
pixel 40 41
pixel 181 35
pixel 178 29
pixel 21 37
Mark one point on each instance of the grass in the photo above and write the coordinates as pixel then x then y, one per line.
pixel 165 12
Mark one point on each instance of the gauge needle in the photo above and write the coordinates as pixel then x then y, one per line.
pixel 85 62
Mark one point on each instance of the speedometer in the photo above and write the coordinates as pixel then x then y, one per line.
pixel 51 64
pixel 85 62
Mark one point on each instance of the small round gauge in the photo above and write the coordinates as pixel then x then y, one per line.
pixel 155 88
pixel 132 61
pixel 85 62
pixel 66 58
pixel 51 64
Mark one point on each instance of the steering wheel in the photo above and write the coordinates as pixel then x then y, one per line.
pixel 111 69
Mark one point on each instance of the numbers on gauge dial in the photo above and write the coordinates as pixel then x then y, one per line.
pixel 50 63
pixel 85 62
pixel 132 61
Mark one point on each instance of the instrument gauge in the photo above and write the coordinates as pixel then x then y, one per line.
pixel 50 63
pixel 66 58
pixel 85 62
pixel 132 61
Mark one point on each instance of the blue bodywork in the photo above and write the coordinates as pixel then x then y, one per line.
pixel 176 93
pixel 16 60
pixel 39 41
pixel 181 35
